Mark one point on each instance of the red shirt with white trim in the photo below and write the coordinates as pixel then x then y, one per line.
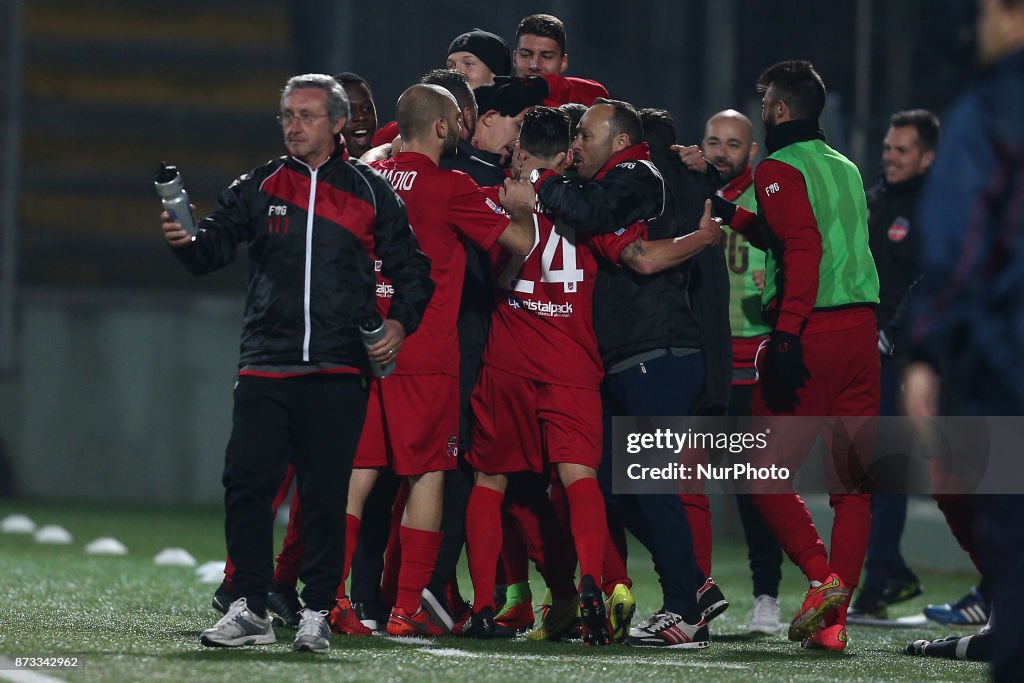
pixel 444 208
pixel 543 324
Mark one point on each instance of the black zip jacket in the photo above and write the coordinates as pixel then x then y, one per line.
pixel 627 189
pixel 895 245
pixel 686 306
pixel 311 276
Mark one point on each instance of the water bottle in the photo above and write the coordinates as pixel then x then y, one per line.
pixel 175 200
pixel 373 331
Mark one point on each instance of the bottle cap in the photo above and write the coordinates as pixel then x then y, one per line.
pixel 165 173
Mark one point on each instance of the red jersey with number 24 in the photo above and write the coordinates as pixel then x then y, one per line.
pixel 543 324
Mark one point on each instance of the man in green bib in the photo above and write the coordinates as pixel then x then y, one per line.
pixel 821 358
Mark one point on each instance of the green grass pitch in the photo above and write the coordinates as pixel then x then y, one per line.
pixel 130 620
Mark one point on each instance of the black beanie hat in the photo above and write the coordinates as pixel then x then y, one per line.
pixel 510 95
pixel 489 48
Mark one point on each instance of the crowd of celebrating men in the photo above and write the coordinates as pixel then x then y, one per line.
pixel 544 257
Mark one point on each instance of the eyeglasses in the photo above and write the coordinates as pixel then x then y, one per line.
pixel 287 118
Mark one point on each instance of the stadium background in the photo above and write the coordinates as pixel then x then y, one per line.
pixel 116 367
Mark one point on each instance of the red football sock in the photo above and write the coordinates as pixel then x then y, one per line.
pixel 788 518
pixel 483 543
pixel 453 596
pixel 547 541
pixel 589 526
pixel 560 503
pixel 290 558
pixel 352 526
pixel 851 530
pixel 514 557
pixel 229 571
pixel 419 554
pixel 393 554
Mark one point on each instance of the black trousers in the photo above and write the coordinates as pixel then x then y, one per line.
pixel 663 386
pixel 316 420
pixel 368 559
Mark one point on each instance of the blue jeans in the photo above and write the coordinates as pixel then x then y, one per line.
pixel 663 386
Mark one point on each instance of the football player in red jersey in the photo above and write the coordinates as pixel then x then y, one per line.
pixel 412 420
pixel 537 401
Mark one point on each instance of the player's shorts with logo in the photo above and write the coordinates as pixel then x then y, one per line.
pixel 523 425
pixel 412 424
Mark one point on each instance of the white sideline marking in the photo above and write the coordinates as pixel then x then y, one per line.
pixel 415 641
pixel 9 673
pixel 631 661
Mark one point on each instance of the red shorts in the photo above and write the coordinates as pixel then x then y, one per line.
pixel 524 425
pixel 412 425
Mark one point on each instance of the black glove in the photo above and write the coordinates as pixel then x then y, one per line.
pixel 786 362
pixel 722 208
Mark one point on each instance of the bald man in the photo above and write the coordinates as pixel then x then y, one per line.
pixel 729 145
pixel 412 420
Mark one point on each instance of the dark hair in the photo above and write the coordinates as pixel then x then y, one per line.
pixel 659 127
pixel 798 85
pixel 575 110
pixel 455 82
pixel 544 25
pixel 624 119
pixel 349 78
pixel 545 132
pixel 926 123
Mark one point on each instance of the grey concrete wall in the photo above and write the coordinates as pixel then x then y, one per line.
pixel 121 395
pixel 126 396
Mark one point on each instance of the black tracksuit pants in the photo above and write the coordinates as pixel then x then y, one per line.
pixel 316 419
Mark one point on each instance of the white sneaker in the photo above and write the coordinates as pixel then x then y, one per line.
pixel 239 627
pixel 764 616
pixel 640 630
pixel 670 631
pixel 313 634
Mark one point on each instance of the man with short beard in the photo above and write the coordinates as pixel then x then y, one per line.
pixel 540 411
pixel 412 418
pixel 821 358
pixel 729 145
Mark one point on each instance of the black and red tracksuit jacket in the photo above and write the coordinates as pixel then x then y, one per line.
pixel 312 236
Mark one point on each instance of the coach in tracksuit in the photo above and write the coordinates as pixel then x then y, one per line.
pixel 312 221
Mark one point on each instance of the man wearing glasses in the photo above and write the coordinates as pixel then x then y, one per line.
pixel 313 221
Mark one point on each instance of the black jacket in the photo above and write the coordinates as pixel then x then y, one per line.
pixel 477 289
pixel 311 277
pixel 687 306
pixel 627 189
pixel 895 245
